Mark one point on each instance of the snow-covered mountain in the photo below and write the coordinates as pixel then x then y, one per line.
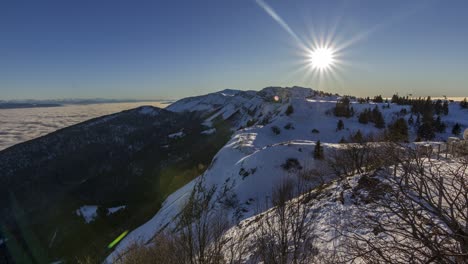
pixel 276 131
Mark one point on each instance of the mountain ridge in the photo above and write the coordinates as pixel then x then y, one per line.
pixel 148 159
pixel 273 125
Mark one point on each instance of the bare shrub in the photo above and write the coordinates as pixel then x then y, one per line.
pixel 353 158
pixel 164 249
pixel 421 218
pixel 201 225
pixel 198 236
pixel 291 164
pixel 284 233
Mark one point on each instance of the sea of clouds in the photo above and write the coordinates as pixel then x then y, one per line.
pixel 19 125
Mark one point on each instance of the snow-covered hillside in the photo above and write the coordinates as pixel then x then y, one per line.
pixel 268 133
pixel 368 209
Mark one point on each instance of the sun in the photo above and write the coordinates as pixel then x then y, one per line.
pixel 321 58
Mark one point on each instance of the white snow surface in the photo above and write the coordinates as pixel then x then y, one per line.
pixel 115 209
pixel 88 212
pixel 327 213
pixel 259 151
pixel 209 131
pixel 177 135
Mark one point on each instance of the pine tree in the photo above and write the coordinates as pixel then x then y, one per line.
pixel 364 117
pixel 358 137
pixel 340 125
pixel 276 130
pixel 289 110
pixel 398 131
pixel 426 131
pixel 318 151
pixel 445 108
pixel 456 130
pixel 378 118
pixel 438 107
pixel 464 103
pixel 439 125
pixel 343 109
pixel 411 120
pixel 427 128
pixel 378 99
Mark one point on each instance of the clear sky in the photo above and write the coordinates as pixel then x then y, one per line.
pixel 148 49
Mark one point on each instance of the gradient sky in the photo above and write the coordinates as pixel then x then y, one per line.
pixel 170 49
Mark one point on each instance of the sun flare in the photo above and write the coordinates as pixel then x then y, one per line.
pixel 321 58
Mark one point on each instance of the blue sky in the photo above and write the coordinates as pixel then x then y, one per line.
pixel 170 49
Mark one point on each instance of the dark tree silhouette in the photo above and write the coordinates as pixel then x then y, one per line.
pixel 340 125
pixel 318 151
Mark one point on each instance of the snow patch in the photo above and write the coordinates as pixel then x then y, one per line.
pixel 88 212
pixel 148 110
pixel 115 209
pixel 177 135
pixel 209 131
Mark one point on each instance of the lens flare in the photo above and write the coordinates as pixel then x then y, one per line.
pixel 117 240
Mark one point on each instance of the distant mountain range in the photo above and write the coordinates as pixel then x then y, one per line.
pixel 31 103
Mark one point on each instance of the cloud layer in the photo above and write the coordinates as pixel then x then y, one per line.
pixel 19 125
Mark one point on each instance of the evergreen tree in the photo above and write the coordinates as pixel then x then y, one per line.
pixel 276 130
pixel 438 107
pixel 426 131
pixel 289 110
pixel 378 99
pixel 340 125
pixel 358 137
pixel 342 108
pixel 456 130
pixel 464 103
pixel 445 107
pixel 398 131
pixel 411 120
pixel 428 125
pixel 439 126
pixel 318 151
pixel 378 118
pixel 364 117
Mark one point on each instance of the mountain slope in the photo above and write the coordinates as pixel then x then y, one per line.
pixel 268 138
pixel 368 218
pixel 126 160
